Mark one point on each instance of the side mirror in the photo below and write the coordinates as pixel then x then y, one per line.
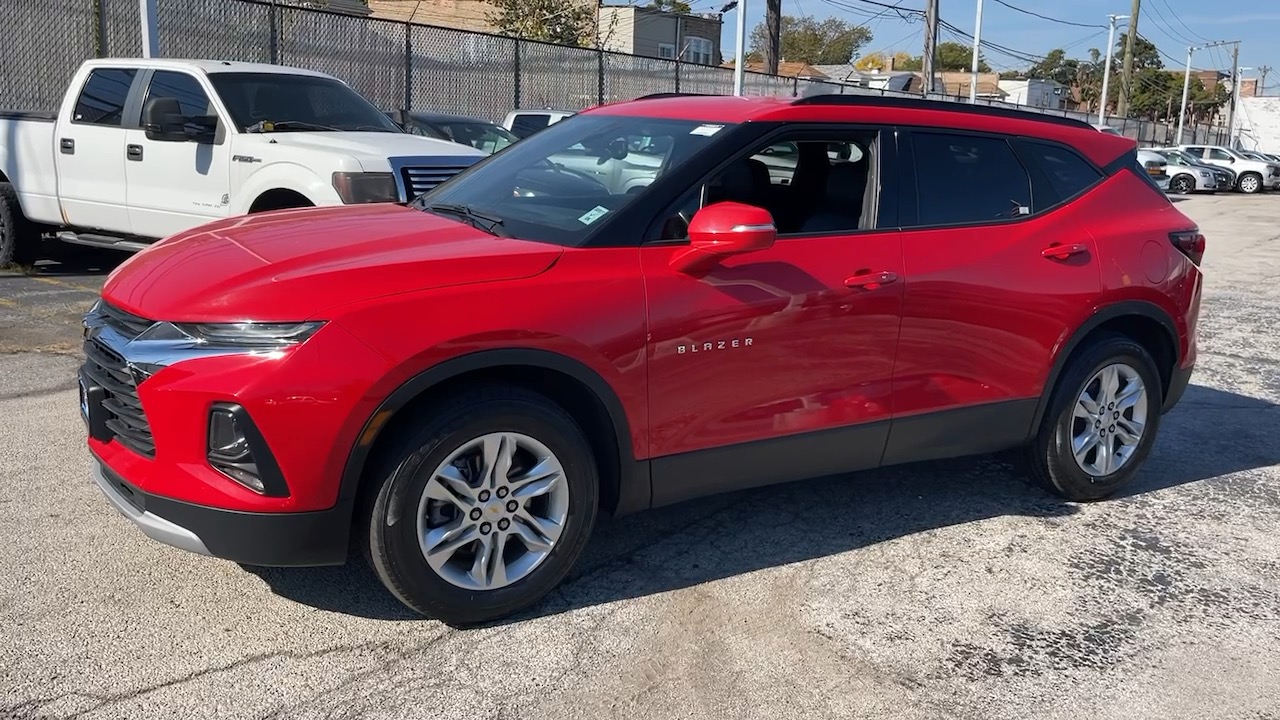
pixel 723 229
pixel 163 121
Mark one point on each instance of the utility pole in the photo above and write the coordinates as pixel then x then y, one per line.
pixel 1126 79
pixel 1235 99
pixel 1262 82
pixel 1235 93
pixel 1186 88
pixel 1106 70
pixel 773 32
pixel 150 27
pixel 977 44
pixel 741 60
pixel 930 44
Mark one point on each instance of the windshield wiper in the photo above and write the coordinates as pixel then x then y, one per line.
pixel 270 125
pixel 488 223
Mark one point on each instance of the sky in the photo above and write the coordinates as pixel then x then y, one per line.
pixel 1172 25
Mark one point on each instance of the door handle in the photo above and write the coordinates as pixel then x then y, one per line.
pixel 1062 252
pixel 67 146
pixel 871 280
pixel 133 152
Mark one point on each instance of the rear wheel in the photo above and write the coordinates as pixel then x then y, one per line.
pixel 1250 183
pixel 1183 184
pixel 1101 422
pixel 485 507
pixel 19 238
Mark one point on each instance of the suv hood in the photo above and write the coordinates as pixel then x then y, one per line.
pixel 373 149
pixel 292 265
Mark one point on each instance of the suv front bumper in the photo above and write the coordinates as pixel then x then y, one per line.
pixel 300 539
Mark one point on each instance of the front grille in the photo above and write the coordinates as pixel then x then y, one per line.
pixel 1275 172
pixel 127 421
pixel 418 180
pixel 127 324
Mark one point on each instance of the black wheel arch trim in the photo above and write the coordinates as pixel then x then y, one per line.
pixel 1105 314
pixel 633 492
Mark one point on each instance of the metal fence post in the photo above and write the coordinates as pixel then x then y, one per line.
pixel 100 38
pixel 273 28
pixel 677 62
pixel 600 77
pixel 516 72
pixel 408 66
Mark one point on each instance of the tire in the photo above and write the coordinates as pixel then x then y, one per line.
pixel 18 237
pixel 1182 184
pixel 1250 183
pixel 411 463
pixel 1049 457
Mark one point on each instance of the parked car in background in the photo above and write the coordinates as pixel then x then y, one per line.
pixel 1186 174
pixel 1156 166
pixel 144 148
pixel 479 134
pixel 1252 175
pixel 523 123
pixel 458 387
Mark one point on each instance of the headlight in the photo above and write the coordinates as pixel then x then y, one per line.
pixel 355 188
pixel 248 335
pixel 1205 175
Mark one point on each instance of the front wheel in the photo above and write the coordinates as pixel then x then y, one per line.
pixel 1251 183
pixel 18 237
pixel 1101 422
pixel 485 507
pixel 1183 184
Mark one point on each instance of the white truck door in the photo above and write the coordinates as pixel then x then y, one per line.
pixel 90 152
pixel 174 185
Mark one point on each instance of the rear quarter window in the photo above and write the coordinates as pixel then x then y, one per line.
pixel 102 100
pixel 525 125
pixel 1068 173
pixel 967 179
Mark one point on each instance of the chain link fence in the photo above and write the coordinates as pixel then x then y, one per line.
pixel 396 65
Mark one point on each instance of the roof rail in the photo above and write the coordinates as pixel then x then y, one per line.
pixel 923 104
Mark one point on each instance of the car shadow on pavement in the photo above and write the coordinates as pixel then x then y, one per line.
pixel 724 536
pixel 65 259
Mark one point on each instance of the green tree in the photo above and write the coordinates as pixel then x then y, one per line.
pixel 954 56
pixel 1056 66
pixel 678 7
pixel 565 22
pixel 828 42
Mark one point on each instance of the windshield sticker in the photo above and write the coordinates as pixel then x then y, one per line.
pixel 707 130
pixel 593 215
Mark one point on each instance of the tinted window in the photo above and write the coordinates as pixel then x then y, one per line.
pixel 526 125
pixel 278 102
pixel 569 179
pixel 102 100
pixel 1068 173
pixel 968 179
pixel 181 87
pixel 481 136
pixel 1216 154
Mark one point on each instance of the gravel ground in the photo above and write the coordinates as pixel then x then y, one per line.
pixel 945 590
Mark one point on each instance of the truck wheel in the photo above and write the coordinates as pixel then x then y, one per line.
pixel 484 507
pixel 1101 422
pixel 18 237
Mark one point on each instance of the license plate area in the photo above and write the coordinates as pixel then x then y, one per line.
pixel 92 412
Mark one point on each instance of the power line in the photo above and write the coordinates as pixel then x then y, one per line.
pixel 1046 17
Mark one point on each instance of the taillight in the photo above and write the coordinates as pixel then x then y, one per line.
pixel 1190 243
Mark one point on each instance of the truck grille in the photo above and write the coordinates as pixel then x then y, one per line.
pixel 127 422
pixel 418 180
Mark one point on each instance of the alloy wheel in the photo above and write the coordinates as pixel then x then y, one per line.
pixel 1108 420
pixel 1182 184
pixel 1249 184
pixel 492 512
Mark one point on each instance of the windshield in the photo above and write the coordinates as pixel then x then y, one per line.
pixel 282 102
pixel 479 135
pixel 554 185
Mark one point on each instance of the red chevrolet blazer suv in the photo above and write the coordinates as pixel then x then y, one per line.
pixel 645 303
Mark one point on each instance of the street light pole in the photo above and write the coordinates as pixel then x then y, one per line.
pixel 1106 71
pixel 150 28
pixel 1235 104
pixel 741 62
pixel 1186 88
pixel 977 42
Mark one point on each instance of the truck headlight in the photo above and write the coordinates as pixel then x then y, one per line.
pixel 362 187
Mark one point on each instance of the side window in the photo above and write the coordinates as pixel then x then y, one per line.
pixel 968 179
pixel 101 102
pixel 181 87
pixel 810 186
pixel 524 125
pixel 1216 154
pixel 1196 152
pixel 1068 173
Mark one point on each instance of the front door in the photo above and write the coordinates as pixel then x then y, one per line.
pixel 174 186
pixel 777 364
pixel 91 153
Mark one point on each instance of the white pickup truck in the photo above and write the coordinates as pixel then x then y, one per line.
pixel 144 148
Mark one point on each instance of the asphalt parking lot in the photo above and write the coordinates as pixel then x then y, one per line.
pixel 944 590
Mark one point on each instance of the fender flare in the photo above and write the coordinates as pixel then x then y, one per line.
pixel 284 176
pixel 633 478
pixel 1105 314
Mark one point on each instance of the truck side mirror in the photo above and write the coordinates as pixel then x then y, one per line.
pixel 162 120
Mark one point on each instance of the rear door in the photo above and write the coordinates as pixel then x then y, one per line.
pixel 173 186
pixel 998 267
pixel 91 151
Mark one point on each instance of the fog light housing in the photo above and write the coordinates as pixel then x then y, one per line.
pixel 236 449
